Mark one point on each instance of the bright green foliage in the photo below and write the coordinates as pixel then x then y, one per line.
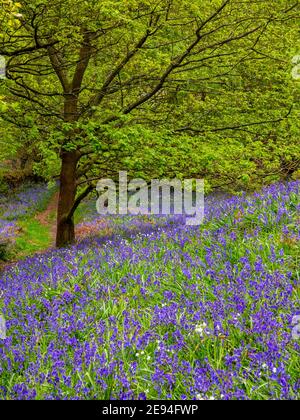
pixel 227 111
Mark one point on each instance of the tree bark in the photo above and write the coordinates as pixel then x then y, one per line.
pixel 67 195
pixel 65 233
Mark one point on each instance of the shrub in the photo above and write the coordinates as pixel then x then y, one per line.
pixel 7 237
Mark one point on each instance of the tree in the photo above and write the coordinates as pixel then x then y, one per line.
pixel 9 12
pixel 93 79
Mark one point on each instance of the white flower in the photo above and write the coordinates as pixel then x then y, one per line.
pixel 199 329
pixel 2 328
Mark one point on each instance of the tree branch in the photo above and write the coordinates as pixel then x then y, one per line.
pixel 78 200
pixel 237 127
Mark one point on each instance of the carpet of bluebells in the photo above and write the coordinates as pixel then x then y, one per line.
pixel 24 202
pixel 154 309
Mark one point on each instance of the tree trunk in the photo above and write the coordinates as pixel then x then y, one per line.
pixel 67 194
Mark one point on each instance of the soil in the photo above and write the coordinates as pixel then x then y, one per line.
pixel 44 218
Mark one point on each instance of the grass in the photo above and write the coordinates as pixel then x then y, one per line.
pixel 27 208
pixel 35 237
